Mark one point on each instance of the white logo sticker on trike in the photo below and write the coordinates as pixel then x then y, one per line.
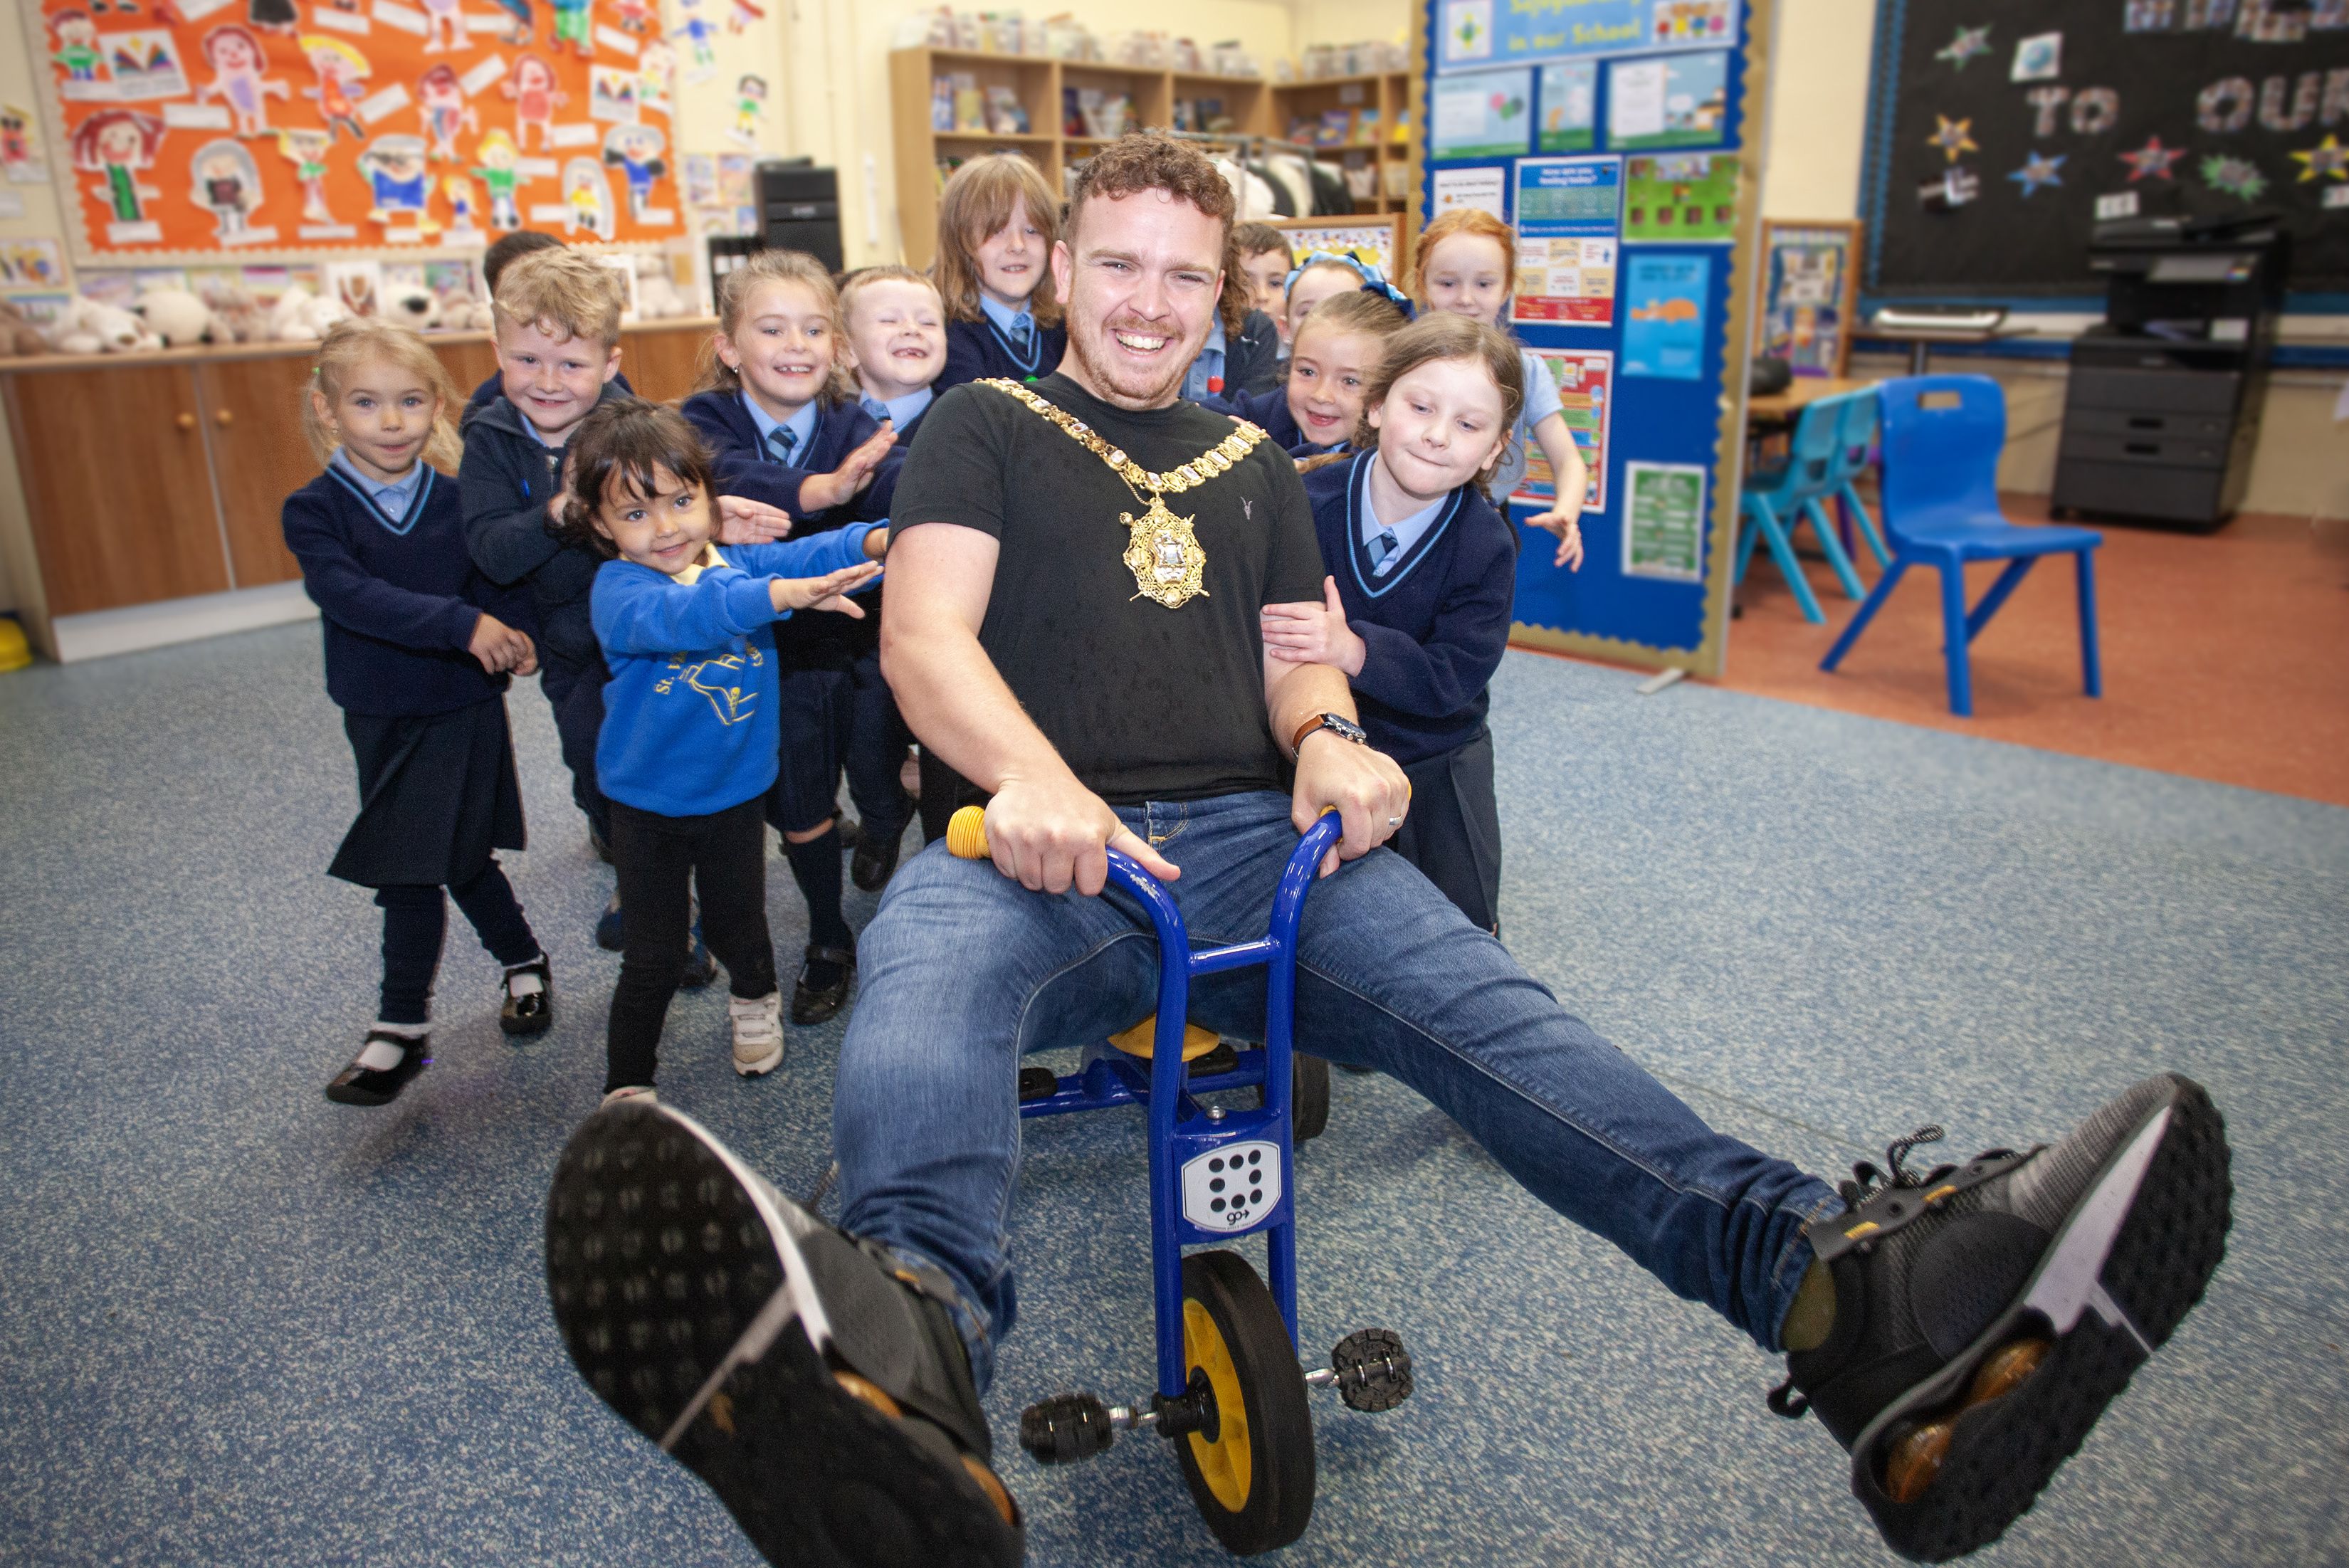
pixel 1233 1188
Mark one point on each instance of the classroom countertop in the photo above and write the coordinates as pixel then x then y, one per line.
pixel 209 353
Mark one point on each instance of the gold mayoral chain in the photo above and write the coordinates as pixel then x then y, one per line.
pixel 1165 556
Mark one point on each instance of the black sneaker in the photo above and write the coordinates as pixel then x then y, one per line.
pixel 822 989
pixel 528 1010
pixel 1986 1314
pixel 360 1085
pixel 815 1383
pixel 876 859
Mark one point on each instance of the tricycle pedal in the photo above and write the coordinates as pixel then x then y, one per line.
pixel 1066 1428
pixel 1037 1083
pixel 1370 1368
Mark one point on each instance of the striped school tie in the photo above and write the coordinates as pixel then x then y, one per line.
pixel 779 441
pixel 1022 333
pixel 1383 552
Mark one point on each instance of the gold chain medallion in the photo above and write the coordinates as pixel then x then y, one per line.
pixel 1168 562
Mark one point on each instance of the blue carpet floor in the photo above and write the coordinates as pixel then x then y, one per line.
pixel 239 1325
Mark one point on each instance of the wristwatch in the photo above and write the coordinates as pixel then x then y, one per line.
pixel 1344 728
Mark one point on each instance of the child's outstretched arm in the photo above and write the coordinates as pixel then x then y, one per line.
pixel 354 597
pixel 821 493
pixel 743 521
pixel 639 613
pixel 815 556
pixel 1429 679
pixel 1564 463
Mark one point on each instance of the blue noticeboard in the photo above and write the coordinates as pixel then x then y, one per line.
pixel 1601 271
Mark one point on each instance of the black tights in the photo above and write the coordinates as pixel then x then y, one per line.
pixel 660 861
pixel 414 919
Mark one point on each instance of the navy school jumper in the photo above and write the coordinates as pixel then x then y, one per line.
pixel 1434 627
pixel 399 598
pixel 976 349
pixel 1270 411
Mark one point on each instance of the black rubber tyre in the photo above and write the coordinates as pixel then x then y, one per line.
pixel 1309 1097
pixel 1251 1474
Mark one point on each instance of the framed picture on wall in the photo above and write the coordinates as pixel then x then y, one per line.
pixel 1368 238
pixel 1810 289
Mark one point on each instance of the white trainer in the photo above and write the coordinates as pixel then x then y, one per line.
pixel 758 1033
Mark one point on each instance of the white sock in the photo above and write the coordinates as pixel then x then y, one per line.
pixel 382 1056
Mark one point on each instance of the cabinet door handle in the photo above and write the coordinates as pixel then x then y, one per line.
pixel 221 416
pixel 186 421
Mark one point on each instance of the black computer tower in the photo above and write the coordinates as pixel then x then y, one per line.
pixel 799 209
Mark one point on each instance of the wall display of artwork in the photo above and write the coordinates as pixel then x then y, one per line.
pixel 208 128
pixel 1486 114
pixel 1636 225
pixel 1379 240
pixel 1810 287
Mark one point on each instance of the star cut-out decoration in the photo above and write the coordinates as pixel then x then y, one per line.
pixel 2039 169
pixel 1954 137
pixel 1971 43
pixel 2152 161
pixel 2327 159
pixel 2234 176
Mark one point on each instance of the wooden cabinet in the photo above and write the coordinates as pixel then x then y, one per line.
pixel 663 362
pixel 118 486
pixel 470 360
pixel 253 420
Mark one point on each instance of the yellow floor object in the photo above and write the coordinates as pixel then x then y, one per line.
pixel 14 652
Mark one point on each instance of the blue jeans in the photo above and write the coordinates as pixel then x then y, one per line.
pixel 964 970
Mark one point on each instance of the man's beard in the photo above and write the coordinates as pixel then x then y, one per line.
pixel 1118 381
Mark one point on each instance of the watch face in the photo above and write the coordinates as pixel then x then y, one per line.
pixel 1347 728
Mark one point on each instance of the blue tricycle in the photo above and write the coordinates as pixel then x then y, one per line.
pixel 1231 1394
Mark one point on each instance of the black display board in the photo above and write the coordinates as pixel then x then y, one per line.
pixel 1978 185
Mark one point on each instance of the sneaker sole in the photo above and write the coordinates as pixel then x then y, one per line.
pixel 2131 1260
pixel 762 1066
pixel 687 1306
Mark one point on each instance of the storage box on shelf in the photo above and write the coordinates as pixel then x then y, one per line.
pixel 1059 96
pixel 183 541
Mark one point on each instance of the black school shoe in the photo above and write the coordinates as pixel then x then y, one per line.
pixel 357 1085
pixel 876 859
pixel 530 1012
pixel 814 1383
pixel 1985 1314
pixel 815 1004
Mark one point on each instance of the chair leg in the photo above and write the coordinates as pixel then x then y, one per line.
pixel 1752 531
pixel 1867 613
pixel 1999 592
pixel 1954 637
pixel 1833 548
pixel 2091 666
pixel 1852 504
pixel 1789 567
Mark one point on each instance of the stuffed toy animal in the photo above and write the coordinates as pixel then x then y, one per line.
pixel 89 328
pixel 18 336
pixel 241 316
pixel 657 295
pixel 412 305
pixel 301 316
pixel 178 317
pixel 465 313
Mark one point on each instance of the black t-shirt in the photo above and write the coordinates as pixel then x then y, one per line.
pixel 1144 703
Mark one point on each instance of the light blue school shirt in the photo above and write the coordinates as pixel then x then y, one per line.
pixel 1209 365
pixel 1406 533
pixel 899 411
pixel 1007 320
pixel 801 426
pixel 392 499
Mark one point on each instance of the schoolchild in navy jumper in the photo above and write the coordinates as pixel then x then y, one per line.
pixel 1241 357
pixel 418 646
pixel 775 389
pixel 1339 345
pixel 509 249
pixel 997 221
pixel 687 754
pixel 1416 609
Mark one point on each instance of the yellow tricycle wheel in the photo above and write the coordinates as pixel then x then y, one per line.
pixel 1251 1469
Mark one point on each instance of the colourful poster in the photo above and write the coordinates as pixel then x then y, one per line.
pixel 1681 196
pixel 1669 100
pixel 1483 33
pixel 1803 297
pixel 209 128
pixel 1664 315
pixel 1566 210
pixel 1486 115
pixel 1585 379
pixel 1569 97
pixel 1664 520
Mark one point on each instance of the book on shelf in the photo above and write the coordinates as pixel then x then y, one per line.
pixel 1005 115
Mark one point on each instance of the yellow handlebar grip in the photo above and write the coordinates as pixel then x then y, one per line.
pixel 966 834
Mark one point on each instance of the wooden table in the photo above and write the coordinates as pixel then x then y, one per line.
pixel 1780 408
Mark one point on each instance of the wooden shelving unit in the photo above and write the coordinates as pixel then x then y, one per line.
pixel 1252 104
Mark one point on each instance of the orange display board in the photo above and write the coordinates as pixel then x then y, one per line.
pixel 202 128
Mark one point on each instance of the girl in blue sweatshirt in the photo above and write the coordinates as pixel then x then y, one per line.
pixel 778 413
pixel 687 750
pixel 419 645
pixel 1416 610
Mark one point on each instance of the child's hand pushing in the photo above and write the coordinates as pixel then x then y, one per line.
pixel 741 520
pixel 500 648
pixel 855 472
pixel 823 593
pixel 1310 634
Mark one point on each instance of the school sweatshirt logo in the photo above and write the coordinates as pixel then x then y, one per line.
pixel 731 701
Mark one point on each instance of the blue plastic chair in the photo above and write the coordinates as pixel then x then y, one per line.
pixel 1774 498
pixel 1942 436
pixel 1855 454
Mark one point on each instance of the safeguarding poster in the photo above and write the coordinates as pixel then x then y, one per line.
pixel 1487 115
pixel 1664 315
pixel 1478 33
pixel 1568 209
pixel 1664 520
pixel 1585 379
